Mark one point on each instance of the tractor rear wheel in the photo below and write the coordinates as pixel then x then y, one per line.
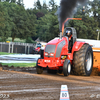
pixel 66 67
pixel 83 61
pixel 39 68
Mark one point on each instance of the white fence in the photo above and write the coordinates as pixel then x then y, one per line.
pixel 13 47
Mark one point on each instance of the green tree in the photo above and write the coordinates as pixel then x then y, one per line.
pixel 44 9
pixel 86 28
pixel 20 2
pixel 89 24
pixel 13 1
pixel 4 22
pixel 38 4
pixel 48 27
pixel 52 5
pixel 30 24
pixel 23 23
pixel 7 0
pixel 95 8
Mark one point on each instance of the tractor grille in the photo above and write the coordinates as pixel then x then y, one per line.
pixel 50 49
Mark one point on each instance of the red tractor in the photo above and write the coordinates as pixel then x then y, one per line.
pixel 66 55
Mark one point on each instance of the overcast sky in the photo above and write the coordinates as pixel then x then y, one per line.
pixel 29 3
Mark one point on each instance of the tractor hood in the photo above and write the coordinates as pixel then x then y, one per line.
pixel 55 47
pixel 55 41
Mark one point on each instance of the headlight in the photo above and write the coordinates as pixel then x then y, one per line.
pixel 51 54
pixel 46 54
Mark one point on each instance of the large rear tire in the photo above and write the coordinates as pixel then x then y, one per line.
pixel 66 67
pixel 39 69
pixel 83 61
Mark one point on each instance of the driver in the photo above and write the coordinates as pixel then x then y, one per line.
pixel 69 34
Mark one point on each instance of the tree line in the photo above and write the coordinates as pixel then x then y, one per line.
pixel 42 22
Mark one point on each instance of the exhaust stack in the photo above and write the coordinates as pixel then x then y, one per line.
pixel 66 10
pixel 60 34
pixel 62 31
pixel 66 21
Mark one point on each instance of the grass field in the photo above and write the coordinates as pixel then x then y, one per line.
pixel 16 40
pixel 20 64
pixel 5 53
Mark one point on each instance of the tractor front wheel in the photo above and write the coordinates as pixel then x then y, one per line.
pixel 66 67
pixel 83 61
pixel 38 68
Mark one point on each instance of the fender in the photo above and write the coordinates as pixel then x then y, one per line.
pixel 77 46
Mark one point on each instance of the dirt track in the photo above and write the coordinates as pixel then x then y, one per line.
pixel 31 86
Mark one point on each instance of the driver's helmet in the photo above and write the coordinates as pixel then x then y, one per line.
pixel 68 33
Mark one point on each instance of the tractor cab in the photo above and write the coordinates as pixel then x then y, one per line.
pixel 70 32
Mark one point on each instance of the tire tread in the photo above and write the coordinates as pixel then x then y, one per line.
pixel 78 61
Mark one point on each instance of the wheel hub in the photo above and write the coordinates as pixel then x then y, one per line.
pixel 69 68
pixel 88 61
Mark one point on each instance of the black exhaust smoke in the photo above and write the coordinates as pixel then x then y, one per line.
pixel 66 10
